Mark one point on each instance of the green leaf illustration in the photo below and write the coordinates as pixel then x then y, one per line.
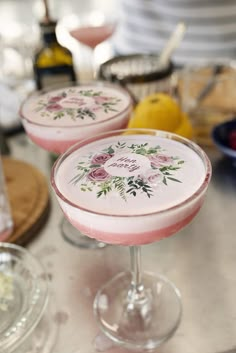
pixel 105 188
pixel 173 179
pixel 132 185
pixel 77 178
pixel 120 186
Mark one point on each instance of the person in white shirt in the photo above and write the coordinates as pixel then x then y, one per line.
pixel 145 26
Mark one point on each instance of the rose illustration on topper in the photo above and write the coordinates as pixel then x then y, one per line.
pixel 126 169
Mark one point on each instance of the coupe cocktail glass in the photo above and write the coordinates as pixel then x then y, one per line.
pixel 92 29
pixel 58 118
pixel 133 187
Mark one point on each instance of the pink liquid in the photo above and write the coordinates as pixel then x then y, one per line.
pixel 149 184
pixel 51 145
pixel 92 36
pixel 58 119
pixel 59 146
pixel 132 238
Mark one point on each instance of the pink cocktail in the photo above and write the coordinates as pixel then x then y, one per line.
pixel 90 30
pixel 133 187
pixel 59 118
pixel 93 35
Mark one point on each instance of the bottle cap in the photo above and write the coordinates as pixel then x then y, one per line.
pixel 48 26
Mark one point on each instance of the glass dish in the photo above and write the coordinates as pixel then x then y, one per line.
pixel 140 74
pixel 23 295
pixel 44 337
pixel 207 95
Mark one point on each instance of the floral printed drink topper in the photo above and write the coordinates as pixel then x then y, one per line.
pixel 128 169
pixel 76 105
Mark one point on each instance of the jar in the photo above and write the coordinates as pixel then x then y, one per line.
pixel 140 74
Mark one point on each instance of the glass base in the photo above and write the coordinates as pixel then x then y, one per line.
pixel 141 324
pixel 76 238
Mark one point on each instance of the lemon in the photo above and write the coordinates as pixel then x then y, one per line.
pixel 161 112
pixel 157 111
pixel 185 129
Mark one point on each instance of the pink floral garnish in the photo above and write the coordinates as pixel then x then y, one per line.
pixel 152 177
pixel 84 104
pixel 54 107
pixel 160 160
pixel 101 158
pixel 155 178
pixel 98 174
pixel 101 99
pixel 95 108
pixel 55 99
pixel 80 102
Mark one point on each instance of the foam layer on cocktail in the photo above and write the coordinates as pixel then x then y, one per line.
pixel 131 189
pixel 57 119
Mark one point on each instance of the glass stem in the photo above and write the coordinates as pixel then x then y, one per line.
pixel 92 64
pixel 137 288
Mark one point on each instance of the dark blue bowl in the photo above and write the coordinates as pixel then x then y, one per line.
pixel 220 137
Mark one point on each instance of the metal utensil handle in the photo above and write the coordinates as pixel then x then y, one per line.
pixel 172 43
pixel 210 84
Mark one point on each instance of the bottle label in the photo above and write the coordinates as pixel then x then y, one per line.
pixel 52 80
pixel 47 77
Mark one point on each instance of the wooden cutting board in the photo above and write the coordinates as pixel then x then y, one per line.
pixel 29 199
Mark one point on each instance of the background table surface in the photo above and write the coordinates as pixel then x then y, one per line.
pixel 200 260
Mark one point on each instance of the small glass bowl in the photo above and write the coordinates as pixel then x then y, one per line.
pixel 207 94
pixel 23 295
pixel 140 74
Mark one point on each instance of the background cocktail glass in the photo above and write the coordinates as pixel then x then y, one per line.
pixel 128 203
pixel 81 121
pixel 89 29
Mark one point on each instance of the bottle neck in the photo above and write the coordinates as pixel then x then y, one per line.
pixel 49 38
pixel 48 31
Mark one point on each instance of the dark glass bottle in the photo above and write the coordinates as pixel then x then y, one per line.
pixel 4 148
pixel 53 63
